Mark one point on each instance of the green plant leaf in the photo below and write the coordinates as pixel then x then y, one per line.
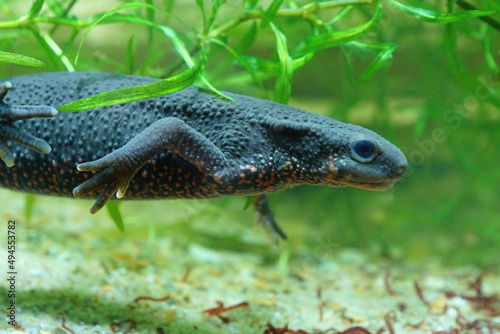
pixel 130 55
pixel 200 5
pixel 248 202
pixel 114 11
pixel 213 13
pixel 436 17
pixel 270 66
pixel 327 40
pixel 169 32
pixel 488 54
pixel 247 40
pixel 242 61
pixel 56 8
pixel 124 95
pixel 114 213
pixel 482 90
pixel 284 78
pixel 385 53
pixel 29 203
pixel 270 13
pixel 15 58
pixel 35 9
pixel 55 57
pixel 343 12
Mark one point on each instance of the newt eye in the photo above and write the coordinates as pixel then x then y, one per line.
pixel 364 151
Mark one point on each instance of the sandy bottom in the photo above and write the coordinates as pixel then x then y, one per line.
pixel 175 261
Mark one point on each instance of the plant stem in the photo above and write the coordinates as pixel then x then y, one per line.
pixel 285 12
pixel 24 22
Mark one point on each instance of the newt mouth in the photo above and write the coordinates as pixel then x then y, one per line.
pixel 369 185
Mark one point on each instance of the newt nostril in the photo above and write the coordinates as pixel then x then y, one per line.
pixel 402 169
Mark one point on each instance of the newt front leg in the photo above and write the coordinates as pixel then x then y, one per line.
pixel 9 132
pixel 119 167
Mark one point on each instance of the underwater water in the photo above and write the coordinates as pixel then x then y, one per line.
pixel 421 257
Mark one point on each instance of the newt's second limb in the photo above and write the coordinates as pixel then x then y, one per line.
pixel 265 217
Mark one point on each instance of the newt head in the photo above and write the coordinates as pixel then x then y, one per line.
pixel 365 160
pixel 319 150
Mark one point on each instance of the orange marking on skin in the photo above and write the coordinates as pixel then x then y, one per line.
pixel 144 174
pixel 54 163
pixel 331 166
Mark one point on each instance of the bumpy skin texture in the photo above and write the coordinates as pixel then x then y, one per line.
pixel 189 144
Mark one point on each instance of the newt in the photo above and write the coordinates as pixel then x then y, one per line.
pixel 189 144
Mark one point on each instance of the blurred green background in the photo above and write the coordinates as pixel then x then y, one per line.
pixel 438 102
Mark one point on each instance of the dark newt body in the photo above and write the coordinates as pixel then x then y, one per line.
pixel 188 144
pixel 90 135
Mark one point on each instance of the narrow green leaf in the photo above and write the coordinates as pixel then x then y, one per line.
pixel 262 65
pixel 55 57
pixel 35 9
pixel 270 13
pixel 179 46
pixel 343 12
pixel 380 60
pixel 247 39
pixel 250 4
pixel 56 8
pixel 334 38
pixel 461 74
pixel 150 16
pixel 114 213
pixel 248 202
pixel 169 32
pixel 488 54
pixel 284 78
pixel 242 61
pixel 421 123
pixel 213 13
pixel 29 204
pixel 130 55
pixel 200 5
pixel 15 58
pixel 436 17
pixel 112 12
pixel 269 66
pixel 124 95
